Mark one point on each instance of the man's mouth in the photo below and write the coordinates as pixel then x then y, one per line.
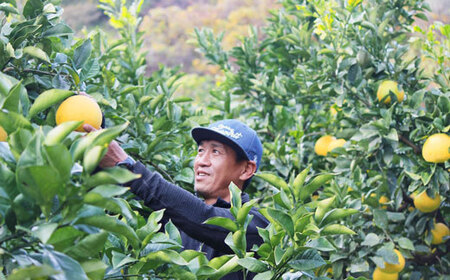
pixel 202 174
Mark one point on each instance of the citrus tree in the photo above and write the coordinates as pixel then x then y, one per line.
pixel 357 90
pixel 62 217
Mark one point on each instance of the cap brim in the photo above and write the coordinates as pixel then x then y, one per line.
pixel 201 133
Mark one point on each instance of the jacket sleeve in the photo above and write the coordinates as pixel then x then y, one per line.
pixel 188 212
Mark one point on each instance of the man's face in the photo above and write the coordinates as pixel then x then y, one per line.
pixel 215 166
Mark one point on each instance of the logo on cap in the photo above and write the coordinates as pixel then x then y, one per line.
pixel 228 131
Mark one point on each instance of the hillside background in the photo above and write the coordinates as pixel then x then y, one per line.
pixel 169 31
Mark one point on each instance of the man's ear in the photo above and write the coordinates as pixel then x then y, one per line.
pixel 248 171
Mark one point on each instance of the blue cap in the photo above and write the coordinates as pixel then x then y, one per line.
pixel 241 138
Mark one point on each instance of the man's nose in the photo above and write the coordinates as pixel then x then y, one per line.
pixel 203 158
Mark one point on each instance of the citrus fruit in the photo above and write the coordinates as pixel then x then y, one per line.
pixel 378 274
pixel 436 148
pixel 387 86
pixel 79 108
pixel 321 146
pixel 426 204
pixel 3 134
pixel 394 268
pixel 383 200
pixel 334 109
pixel 335 144
pixel 440 230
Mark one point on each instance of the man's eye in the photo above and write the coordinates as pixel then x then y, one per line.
pixel 216 151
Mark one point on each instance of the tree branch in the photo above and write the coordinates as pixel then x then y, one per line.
pixel 405 140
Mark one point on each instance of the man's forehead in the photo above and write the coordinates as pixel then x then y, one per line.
pixel 213 143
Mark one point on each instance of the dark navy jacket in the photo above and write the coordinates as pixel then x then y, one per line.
pixel 188 213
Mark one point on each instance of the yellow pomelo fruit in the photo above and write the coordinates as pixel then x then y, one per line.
pixel 383 200
pixel 436 148
pixel 378 274
pixel 426 204
pixel 334 109
pixel 79 108
pixel 385 87
pixel 335 144
pixel 321 146
pixel 3 134
pixel 440 230
pixel 394 268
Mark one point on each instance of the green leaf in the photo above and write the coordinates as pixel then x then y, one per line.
pixel 405 243
pixel 82 53
pixel 64 237
pixel 336 229
pixel 32 8
pixel 316 183
pixel 274 180
pixel 88 246
pixel 68 267
pixel 59 133
pixel 12 100
pixel 388 255
pixel 58 30
pixel 252 264
pixel 114 205
pixel 359 267
pixel 105 136
pixel 33 272
pixel 90 70
pixel 337 214
pixel 44 231
pixel 8 8
pixel 110 190
pixel 114 175
pixel 236 201
pixel 371 240
pixel 264 276
pixel 354 74
pixel 186 175
pixel 283 220
pixel 120 260
pixel 308 260
pixel 222 222
pixel 79 147
pixel 40 183
pixel 300 180
pixel 322 207
pixel 92 158
pixel 36 52
pixel 11 121
pixel 113 225
pixel 321 244
pixel 242 214
pixel 95 269
pixel 47 99
pixel 380 218
pixel 229 266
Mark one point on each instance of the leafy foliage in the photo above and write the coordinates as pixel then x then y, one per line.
pixel 63 218
pixel 317 73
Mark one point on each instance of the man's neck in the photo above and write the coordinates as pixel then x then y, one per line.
pixel 213 200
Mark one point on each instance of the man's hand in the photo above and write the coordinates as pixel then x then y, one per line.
pixel 114 154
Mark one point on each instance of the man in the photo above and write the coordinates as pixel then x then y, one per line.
pixel 228 151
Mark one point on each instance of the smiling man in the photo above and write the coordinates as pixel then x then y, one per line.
pixel 228 151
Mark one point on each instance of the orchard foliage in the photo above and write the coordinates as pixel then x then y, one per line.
pixel 61 217
pixel 317 73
